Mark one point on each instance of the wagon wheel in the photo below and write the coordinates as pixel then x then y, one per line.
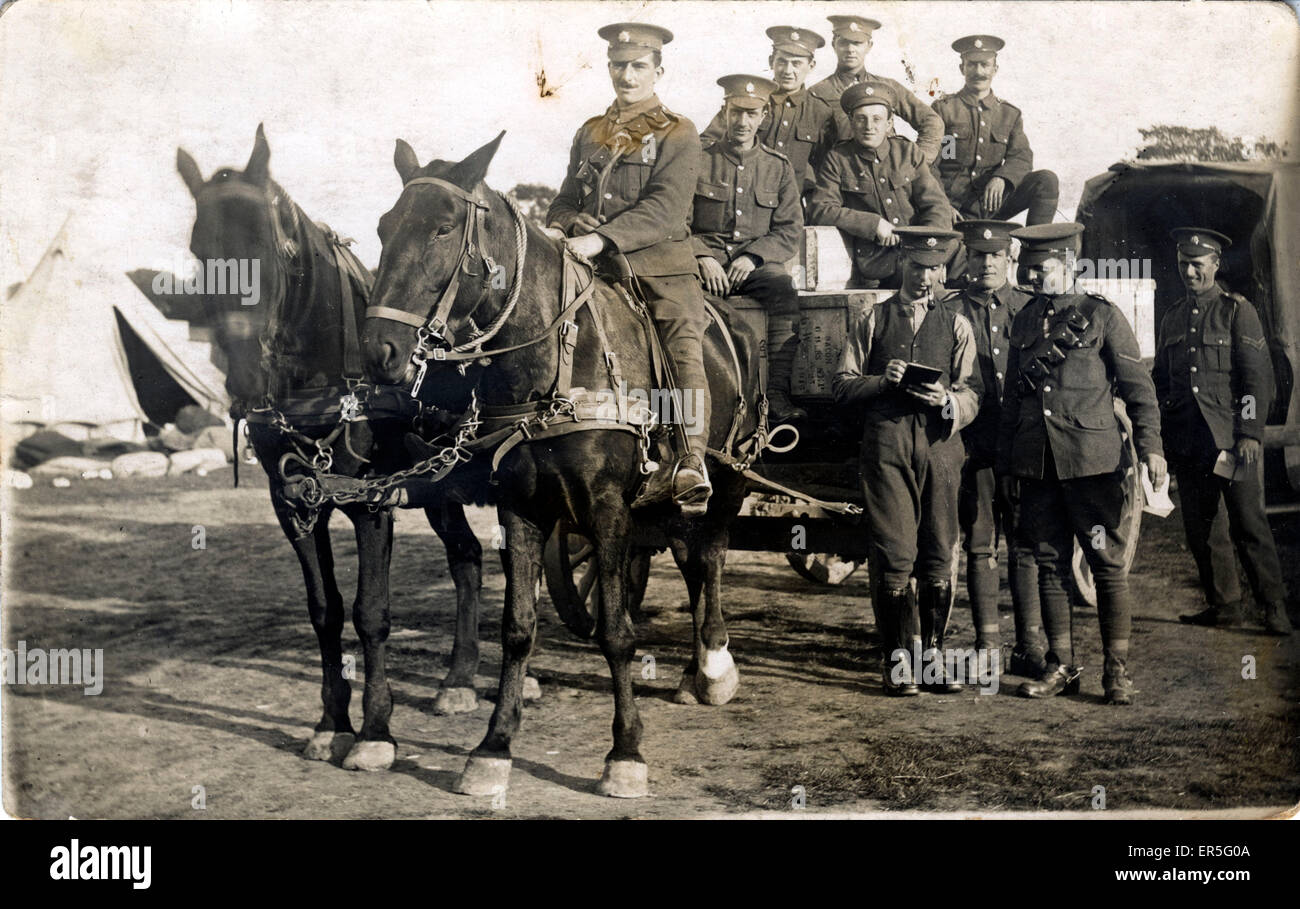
pixel 571 579
pixel 1130 516
pixel 822 567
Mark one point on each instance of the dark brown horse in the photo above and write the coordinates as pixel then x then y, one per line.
pixel 289 361
pixel 452 247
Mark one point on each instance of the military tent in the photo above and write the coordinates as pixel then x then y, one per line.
pixel 85 353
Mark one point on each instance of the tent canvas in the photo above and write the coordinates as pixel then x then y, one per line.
pixel 1129 210
pixel 82 347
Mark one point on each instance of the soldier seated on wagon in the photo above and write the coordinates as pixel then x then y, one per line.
pixel 746 225
pixel 989 172
pixel 871 184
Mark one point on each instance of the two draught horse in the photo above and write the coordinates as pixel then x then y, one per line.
pixel 296 376
pixel 465 282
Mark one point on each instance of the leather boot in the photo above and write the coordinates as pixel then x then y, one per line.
pixel 894 606
pixel 782 344
pixel 1056 680
pixel 1275 619
pixel 935 607
pixel 691 486
pixel 1114 677
pixel 1027 660
pixel 1227 616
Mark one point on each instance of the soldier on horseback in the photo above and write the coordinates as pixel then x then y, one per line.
pixel 628 190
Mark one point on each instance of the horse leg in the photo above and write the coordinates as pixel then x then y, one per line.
pixel 711 677
pixel 375 749
pixel 465 562
pixel 333 735
pixel 694 578
pixel 625 774
pixel 487 772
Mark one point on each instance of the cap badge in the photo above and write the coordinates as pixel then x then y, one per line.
pixel 749 87
pixel 988 234
pixel 853 26
pixel 979 43
pixel 624 37
pixel 794 36
pixel 931 241
pixel 1195 239
pixel 870 90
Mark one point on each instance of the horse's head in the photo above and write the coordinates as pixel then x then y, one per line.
pixel 434 271
pixel 244 226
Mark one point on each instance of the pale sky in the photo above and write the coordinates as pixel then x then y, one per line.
pixel 95 97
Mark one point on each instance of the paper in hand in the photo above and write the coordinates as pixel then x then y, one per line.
pixel 1230 467
pixel 1156 501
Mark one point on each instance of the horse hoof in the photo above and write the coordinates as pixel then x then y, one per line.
pixel 685 693
pixel 455 700
pixel 718 678
pixel 532 689
pixel 329 746
pixel 370 756
pixel 623 780
pixel 484 776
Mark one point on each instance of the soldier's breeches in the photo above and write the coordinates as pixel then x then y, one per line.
pixel 1038 192
pixel 677 305
pixel 772 286
pixel 1053 514
pixel 985 519
pixel 910 482
pixel 1200 493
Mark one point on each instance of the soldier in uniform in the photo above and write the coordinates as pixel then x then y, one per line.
pixel 1214 378
pixel 992 173
pixel 912 453
pixel 1060 445
pixel 851 41
pixel 746 226
pixel 872 184
pixel 990 303
pixel 795 123
pixel 628 189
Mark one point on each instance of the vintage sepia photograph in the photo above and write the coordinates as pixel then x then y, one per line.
pixel 472 409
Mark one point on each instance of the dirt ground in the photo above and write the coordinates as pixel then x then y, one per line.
pixel 212 680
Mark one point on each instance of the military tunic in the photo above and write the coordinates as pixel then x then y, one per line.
pixel 858 186
pixel 928 125
pixel 799 125
pixel 747 204
pixel 988 140
pixel 1060 435
pixel 635 169
pixel 1212 361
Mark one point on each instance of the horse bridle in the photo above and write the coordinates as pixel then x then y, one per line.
pixel 433 327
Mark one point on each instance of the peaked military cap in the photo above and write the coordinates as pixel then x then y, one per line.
pixel 927 245
pixel 858 28
pixel 1199 241
pixel 749 92
pixel 798 41
pixel 866 93
pixel 1040 242
pixel 986 236
pixel 632 40
pixel 978 47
